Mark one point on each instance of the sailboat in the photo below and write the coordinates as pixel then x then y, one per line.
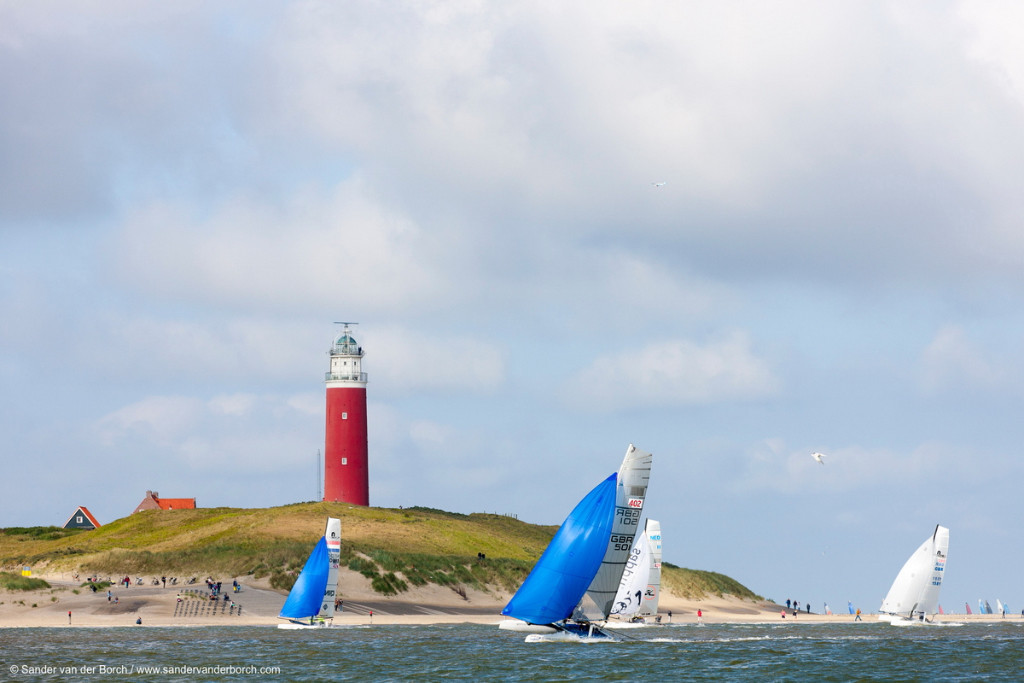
pixel 571 590
pixel 915 592
pixel 653 591
pixel 313 595
pixel 640 586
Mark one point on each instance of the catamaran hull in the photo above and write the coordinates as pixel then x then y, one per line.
pixel 616 625
pixel 572 632
pixel 291 626
pixel 523 627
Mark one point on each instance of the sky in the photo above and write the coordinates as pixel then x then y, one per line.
pixel 732 234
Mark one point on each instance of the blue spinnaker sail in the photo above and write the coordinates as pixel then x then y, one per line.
pixel 306 595
pixel 570 562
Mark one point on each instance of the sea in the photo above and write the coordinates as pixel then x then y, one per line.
pixel 756 652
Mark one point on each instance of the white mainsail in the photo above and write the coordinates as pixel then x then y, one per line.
pixel 635 577
pixel 333 537
pixel 915 592
pixel 630 491
pixel 653 591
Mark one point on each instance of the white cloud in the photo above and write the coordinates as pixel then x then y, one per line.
pixel 237 405
pixel 320 251
pixel 424 360
pixel 255 432
pixel 675 372
pixel 952 363
pixel 456 468
pixel 236 351
pixel 160 419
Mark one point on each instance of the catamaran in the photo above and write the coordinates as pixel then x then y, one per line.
pixel 571 590
pixel 915 592
pixel 313 595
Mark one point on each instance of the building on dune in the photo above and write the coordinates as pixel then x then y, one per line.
pixel 81 518
pixel 153 501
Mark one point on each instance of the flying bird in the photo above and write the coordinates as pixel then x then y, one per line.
pixel 818 457
pixel 661 184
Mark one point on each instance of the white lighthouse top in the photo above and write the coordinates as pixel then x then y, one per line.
pixel 346 361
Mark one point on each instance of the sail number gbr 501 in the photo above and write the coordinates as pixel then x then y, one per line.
pixel 621 541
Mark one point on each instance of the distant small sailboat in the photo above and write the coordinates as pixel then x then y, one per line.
pixel 314 592
pixel 915 592
pixel 571 590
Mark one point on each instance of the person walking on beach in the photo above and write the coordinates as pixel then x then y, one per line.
pixel 858 615
pixel 69 617
pixel 700 618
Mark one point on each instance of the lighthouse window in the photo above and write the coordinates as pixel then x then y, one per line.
pixel 344 416
pixel 344 461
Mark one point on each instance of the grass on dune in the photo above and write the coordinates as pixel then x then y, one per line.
pixel 394 549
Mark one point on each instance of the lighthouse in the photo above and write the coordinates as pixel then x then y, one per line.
pixel 346 472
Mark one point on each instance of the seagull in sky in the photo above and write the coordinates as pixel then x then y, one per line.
pixel 818 457
pixel 661 184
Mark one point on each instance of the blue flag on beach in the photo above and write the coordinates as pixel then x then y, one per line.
pixel 850 605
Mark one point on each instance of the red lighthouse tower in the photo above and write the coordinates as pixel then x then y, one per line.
pixel 346 472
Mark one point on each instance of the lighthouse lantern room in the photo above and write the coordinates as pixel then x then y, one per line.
pixel 346 472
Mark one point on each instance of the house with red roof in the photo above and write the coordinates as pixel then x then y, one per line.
pixel 153 501
pixel 81 518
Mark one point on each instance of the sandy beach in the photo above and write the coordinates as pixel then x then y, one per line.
pixel 257 604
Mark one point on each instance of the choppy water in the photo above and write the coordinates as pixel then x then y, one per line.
pixel 819 652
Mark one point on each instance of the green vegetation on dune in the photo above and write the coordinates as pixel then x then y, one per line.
pixel 695 583
pixel 17 582
pixel 394 549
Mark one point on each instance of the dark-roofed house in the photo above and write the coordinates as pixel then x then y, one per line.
pixel 81 518
pixel 153 501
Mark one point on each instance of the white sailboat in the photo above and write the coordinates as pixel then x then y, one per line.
pixel 640 587
pixel 635 578
pixel 315 590
pixel 652 594
pixel 571 590
pixel 915 592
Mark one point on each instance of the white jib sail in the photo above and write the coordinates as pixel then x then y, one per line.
pixel 630 491
pixel 653 591
pixel 916 588
pixel 635 578
pixel 333 536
